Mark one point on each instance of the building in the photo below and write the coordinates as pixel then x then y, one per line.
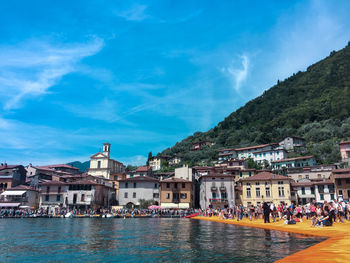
pixel 53 194
pixel 217 191
pixel 176 193
pixel 140 171
pixel 117 177
pixel 11 176
pixel 225 154
pixel 345 151
pixel 200 145
pixel 174 160
pixel 304 191
pixel 21 196
pixel 301 161
pixel 156 162
pixel 317 172
pixel 266 187
pixel 202 170
pixel 184 172
pixel 131 190
pixel 324 190
pixel 290 143
pixel 341 179
pixel 88 194
pixel 102 165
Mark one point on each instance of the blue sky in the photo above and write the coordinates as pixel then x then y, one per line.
pixel 144 75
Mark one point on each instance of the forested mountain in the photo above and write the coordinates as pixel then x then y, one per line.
pixel 83 167
pixel 314 104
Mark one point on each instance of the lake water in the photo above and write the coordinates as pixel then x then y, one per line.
pixel 141 240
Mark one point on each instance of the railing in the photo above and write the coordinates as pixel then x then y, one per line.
pixel 218 200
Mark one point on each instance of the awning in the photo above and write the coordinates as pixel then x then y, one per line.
pixel 8 193
pixel 173 205
pixel 9 204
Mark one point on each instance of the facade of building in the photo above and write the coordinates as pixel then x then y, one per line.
pixel 345 151
pixel 131 190
pixel 324 191
pixel 341 179
pixel 289 143
pixel 304 191
pixel 155 162
pixel 217 191
pixel 301 161
pixel 225 154
pixel 266 187
pixel 11 176
pixel 270 156
pixel 317 172
pixel 184 172
pixel 176 193
pixel 101 165
pixel 174 160
pixel 199 145
pixel 248 152
pixel 20 196
pixel 140 171
pixel 53 194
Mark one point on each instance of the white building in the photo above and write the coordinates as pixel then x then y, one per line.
pixel 102 165
pixel 131 190
pixel 216 191
pixel 184 172
pixel 21 196
pixel 53 194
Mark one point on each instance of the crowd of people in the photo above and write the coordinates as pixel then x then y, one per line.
pixel 320 214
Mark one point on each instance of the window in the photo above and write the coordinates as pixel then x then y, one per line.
pixel 257 183
pixel 340 192
pixel 307 176
pixel 98 164
pixel 332 196
pixel 213 195
pixel 125 195
pixel 126 185
pixel 268 194
pixel 47 198
pixel 339 181
pixel 303 190
pixel 312 190
pixel 322 197
pixel 183 196
pixel 183 185
pixel 59 190
pixel 248 193
pixel 155 195
pixel 83 197
pixel 175 185
pixel 134 185
pixel 167 185
pixel 167 196
pixel 240 174
pixel 319 176
pixel 281 191
pixel 257 190
pixel 280 182
pixel 134 195
pixel 58 198
pixel 223 195
pixel 347 180
pixel 248 184
pixel 155 185
pixel 48 189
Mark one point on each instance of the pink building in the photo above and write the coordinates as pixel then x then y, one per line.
pixel 345 151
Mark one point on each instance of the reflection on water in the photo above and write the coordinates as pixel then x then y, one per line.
pixel 142 240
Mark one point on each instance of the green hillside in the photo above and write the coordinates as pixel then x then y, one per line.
pixel 83 167
pixel 314 104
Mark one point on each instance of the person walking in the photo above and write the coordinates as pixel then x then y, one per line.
pixel 266 210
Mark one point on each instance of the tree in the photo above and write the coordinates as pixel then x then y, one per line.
pixel 144 204
pixel 253 164
pixel 149 158
pixel 266 164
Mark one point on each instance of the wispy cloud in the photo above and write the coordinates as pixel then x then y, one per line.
pixel 31 68
pixel 237 75
pixel 136 13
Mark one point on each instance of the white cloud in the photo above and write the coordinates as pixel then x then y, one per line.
pixel 135 13
pixel 237 75
pixel 31 68
pixel 133 160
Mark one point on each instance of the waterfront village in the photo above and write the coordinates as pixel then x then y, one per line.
pixel 228 183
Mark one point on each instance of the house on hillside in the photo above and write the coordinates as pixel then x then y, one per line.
pixel 199 145
pixel 155 162
pixel 345 151
pixel 302 161
pixel 140 171
pixel 341 179
pixel 225 154
pixel 290 143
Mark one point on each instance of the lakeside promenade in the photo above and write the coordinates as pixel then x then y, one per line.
pixel 334 249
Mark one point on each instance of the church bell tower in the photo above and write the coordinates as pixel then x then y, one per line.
pixel 107 149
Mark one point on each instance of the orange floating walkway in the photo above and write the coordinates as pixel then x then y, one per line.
pixel 335 249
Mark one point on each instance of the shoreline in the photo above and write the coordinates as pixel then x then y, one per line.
pixel 334 249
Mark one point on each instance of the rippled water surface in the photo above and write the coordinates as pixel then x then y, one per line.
pixel 141 240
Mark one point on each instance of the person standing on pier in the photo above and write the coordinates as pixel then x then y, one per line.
pixel 267 211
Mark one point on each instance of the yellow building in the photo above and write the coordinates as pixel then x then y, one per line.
pixel 266 187
pixel 176 193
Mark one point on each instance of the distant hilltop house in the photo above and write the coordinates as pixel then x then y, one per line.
pixel 199 145
pixel 260 153
pixel 226 154
pixel 301 161
pixel 140 171
pixel 289 143
pixel 345 151
pixel 102 165
pixel 155 162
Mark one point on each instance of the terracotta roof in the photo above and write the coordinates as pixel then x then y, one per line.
pixel 203 167
pixel 89 182
pixel 266 176
pixel 218 175
pixel 342 176
pixel 293 159
pixel 62 166
pixel 347 170
pixel 52 183
pixel 324 182
pixel 175 180
pixel 3 167
pixel 142 169
pixel 228 149
pixel 140 179
pixel 256 147
pixel 345 142
pixel 224 154
pixel 302 183
pixel 22 187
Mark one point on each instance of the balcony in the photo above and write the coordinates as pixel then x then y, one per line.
pixel 218 200
pixel 214 188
